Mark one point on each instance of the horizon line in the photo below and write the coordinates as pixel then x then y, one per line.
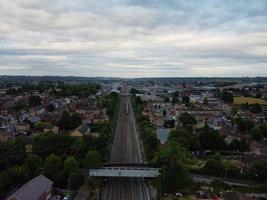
pixel 114 77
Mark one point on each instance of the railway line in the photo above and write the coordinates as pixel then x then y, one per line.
pixel 125 149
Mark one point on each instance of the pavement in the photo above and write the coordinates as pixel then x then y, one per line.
pixel 229 181
pixel 82 193
pixel 81 196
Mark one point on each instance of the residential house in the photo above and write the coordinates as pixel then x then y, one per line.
pixel 51 128
pixel 33 119
pixel 4 136
pixel 84 129
pixel 28 144
pixel 99 117
pixel 23 116
pixel 229 138
pixel 3 122
pixel 38 188
pixel 22 126
pixel 258 148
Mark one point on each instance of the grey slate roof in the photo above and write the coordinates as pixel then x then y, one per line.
pixel 84 128
pixel 34 119
pixel 33 189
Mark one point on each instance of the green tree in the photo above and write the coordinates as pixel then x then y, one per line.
pixel 234 111
pixel 34 101
pixel 16 151
pixel 78 149
pixel 227 97
pixel 164 113
pixel 234 145
pixel 259 170
pixel 182 135
pixel 205 101
pixel 17 175
pixel 76 180
pixel 187 119
pixel 92 159
pixel 70 165
pixel 244 125
pixel 210 139
pixel 264 130
pixel 241 125
pixel 150 141
pixel 48 143
pixel 244 145
pixel 185 100
pixel 50 107
pixel 33 165
pixel 64 122
pixel 219 185
pixel 176 94
pixel 174 174
pixel 230 169
pixel 76 120
pixel 81 90
pixel 53 168
pixel 39 125
pixel 214 167
pixel 21 105
pixel 255 108
pixel 111 103
pixel 167 99
pixel 256 134
pixel 174 100
pixel 5 184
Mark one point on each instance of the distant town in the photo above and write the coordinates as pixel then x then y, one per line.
pixel 206 136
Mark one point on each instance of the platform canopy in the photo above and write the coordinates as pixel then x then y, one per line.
pixel 125 172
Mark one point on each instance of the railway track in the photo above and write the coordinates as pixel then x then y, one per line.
pixel 125 149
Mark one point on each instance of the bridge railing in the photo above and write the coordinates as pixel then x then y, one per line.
pixel 142 172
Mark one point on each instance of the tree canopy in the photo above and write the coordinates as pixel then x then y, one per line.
pixel 185 100
pixel 33 165
pixel 244 125
pixel 34 100
pixel 53 168
pixel 210 139
pixel 256 134
pixel 92 159
pixel 187 119
pixel 69 121
pixel 227 97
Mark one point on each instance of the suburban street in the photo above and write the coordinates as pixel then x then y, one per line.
pixel 126 149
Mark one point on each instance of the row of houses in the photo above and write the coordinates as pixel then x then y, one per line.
pixel 21 122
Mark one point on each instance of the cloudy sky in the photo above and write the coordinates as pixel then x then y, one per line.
pixel 133 38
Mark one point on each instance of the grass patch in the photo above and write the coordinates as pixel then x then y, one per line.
pixel 249 100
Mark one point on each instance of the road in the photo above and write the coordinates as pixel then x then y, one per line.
pixel 81 196
pixel 125 149
pixel 230 181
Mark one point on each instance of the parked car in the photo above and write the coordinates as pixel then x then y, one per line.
pixel 56 197
pixel 178 194
pixel 66 197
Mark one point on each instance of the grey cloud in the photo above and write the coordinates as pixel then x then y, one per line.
pixel 133 38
